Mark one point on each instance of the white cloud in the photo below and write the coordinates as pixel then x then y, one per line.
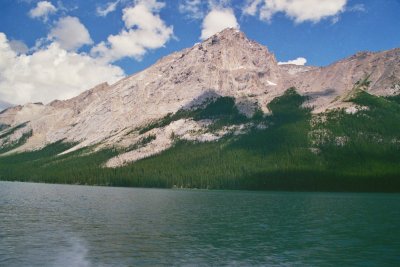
pixel 152 5
pixel 251 7
pixel 142 16
pixel 70 33
pixel 335 19
pixel 144 30
pixel 298 61
pixel 299 10
pixel 197 9
pixel 49 73
pixel 42 10
pixel 18 47
pixel 192 9
pixel 217 20
pixel 357 8
pixel 66 6
pixel 219 4
pixel 110 7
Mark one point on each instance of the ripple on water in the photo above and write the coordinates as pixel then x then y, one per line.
pixel 59 225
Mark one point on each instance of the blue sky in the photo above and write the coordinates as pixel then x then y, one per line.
pixel 58 48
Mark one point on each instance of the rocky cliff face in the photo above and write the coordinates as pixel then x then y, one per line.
pixel 226 64
pixel 325 84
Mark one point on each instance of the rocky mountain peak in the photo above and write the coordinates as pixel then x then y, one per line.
pixel 226 37
pixel 228 49
pixel 233 39
pixel 225 64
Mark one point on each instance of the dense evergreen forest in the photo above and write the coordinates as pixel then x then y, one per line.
pixel 295 150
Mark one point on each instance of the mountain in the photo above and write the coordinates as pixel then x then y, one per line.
pixel 219 92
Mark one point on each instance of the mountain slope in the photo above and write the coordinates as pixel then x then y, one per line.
pixel 326 84
pixel 294 150
pixel 219 92
pixel 227 64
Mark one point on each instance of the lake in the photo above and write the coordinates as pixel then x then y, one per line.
pixel 66 225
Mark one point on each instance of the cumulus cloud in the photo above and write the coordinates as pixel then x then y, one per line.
pixel 143 15
pixel 216 15
pixel 70 33
pixel 217 20
pixel 18 47
pixel 49 73
pixel 299 10
pixel 110 7
pixel 298 61
pixel 144 30
pixel 42 10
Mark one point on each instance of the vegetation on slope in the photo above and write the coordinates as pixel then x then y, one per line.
pixel 3 126
pixel 12 130
pixel 335 151
pixel 141 143
pixel 222 110
pixel 10 146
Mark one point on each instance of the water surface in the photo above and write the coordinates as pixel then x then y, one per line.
pixel 64 225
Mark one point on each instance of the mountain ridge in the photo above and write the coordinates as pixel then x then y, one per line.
pixel 224 65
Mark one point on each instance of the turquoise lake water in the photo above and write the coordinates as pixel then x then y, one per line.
pixel 64 225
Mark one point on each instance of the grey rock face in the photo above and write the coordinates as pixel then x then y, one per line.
pixel 226 64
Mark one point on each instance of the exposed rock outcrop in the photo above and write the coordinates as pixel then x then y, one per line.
pixel 226 64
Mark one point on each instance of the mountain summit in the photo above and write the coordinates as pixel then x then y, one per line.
pixel 227 64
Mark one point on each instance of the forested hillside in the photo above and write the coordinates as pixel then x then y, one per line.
pixel 290 149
